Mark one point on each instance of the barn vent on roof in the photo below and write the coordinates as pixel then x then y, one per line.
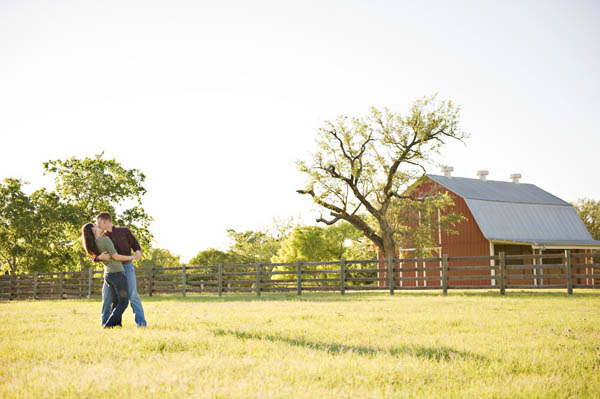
pixel 482 174
pixel 447 171
pixel 515 177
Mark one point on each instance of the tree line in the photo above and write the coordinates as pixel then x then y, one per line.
pixel 361 173
pixel 40 231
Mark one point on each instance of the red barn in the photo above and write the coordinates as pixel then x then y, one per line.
pixel 510 217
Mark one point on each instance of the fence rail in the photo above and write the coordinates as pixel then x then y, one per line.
pixel 567 270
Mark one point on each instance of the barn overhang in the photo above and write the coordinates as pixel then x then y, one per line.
pixel 592 245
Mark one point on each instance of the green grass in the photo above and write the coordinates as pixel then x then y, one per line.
pixel 418 344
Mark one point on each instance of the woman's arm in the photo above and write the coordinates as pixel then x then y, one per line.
pixel 107 244
pixel 122 258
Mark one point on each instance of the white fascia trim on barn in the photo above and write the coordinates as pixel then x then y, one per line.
pixel 536 245
pixel 563 246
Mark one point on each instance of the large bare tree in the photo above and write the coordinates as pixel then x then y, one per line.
pixel 363 167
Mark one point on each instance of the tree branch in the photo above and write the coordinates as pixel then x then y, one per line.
pixel 339 213
pixel 331 170
pixel 342 147
pixel 408 197
pixel 329 222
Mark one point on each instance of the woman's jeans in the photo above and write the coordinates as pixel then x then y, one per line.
pixel 117 284
pixel 109 301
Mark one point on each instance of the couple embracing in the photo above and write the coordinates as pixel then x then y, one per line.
pixel 112 246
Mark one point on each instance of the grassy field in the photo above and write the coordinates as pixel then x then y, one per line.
pixel 417 344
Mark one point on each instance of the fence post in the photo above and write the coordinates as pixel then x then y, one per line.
pixel 35 284
pixel 502 273
pixel 10 286
pixel 62 285
pixel 150 278
pixel 80 283
pixel 569 272
pixel 299 277
pixel 343 276
pixel 390 272
pixel 258 278
pixel 445 274
pixel 90 281
pixel 220 273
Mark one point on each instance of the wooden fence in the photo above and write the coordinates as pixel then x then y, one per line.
pixel 572 270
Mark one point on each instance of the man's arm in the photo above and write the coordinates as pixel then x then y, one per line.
pixel 103 256
pixel 110 248
pixel 135 245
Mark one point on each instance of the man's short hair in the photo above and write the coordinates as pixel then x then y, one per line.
pixel 104 216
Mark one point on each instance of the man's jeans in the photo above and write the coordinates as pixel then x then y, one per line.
pixel 117 284
pixel 134 298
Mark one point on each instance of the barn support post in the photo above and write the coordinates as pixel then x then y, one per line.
pixel 569 272
pixel 343 276
pixel 541 272
pixel 595 270
pixel 90 282
pixel 535 273
pixel 538 261
pixel 390 273
pixel 220 279
pixel 35 285
pixel 502 273
pixel 299 278
pixel 445 274
pixel 258 277
pixel 184 281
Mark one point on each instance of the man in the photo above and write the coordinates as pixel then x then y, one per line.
pixel 125 243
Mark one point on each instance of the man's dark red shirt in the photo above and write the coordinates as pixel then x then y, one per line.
pixel 124 241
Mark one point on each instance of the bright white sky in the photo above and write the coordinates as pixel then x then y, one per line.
pixel 215 100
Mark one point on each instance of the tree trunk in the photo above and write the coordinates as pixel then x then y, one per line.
pixel 81 261
pixel 389 247
pixel 387 237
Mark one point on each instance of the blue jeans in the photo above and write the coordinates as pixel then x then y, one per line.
pixel 117 284
pixel 108 299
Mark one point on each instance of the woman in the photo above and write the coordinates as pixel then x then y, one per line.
pixel 94 244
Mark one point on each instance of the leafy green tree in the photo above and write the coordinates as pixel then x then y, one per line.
pixel 253 246
pixel 53 249
pixel 308 244
pixel 316 243
pixel 363 166
pixel 589 211
pixel 211 257
pixel 31 230
pixel 16 216
pixel 159 258
pixel 94 185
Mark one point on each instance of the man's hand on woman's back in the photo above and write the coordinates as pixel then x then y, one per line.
pixel 103 256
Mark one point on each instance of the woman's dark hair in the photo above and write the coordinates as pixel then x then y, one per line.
pixel 88 240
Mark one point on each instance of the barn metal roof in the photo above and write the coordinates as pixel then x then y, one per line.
pixel 499 191
pixel 517 212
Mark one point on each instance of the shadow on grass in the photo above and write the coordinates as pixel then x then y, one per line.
pixel 366 296
pixel 428 352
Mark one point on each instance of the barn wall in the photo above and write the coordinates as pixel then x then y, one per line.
pixel 468 242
